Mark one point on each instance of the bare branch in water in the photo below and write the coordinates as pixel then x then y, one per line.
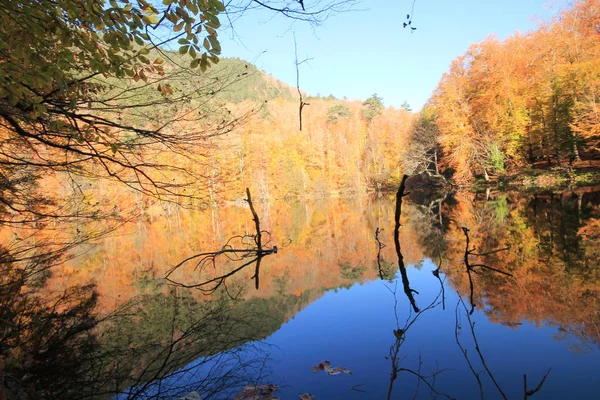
pixel 253 253
pixel 458 327
pixel 471 267
pixel 405 282
pixel 529 393
pixel 380 246
pixel 400 337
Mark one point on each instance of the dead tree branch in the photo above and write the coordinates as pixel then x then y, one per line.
pixel 380 246
pixel 405 282
pixel 471 267
pixel 529 393
pixel 302 103
pixel 253 253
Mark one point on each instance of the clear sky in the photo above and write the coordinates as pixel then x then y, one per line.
pixel 356 54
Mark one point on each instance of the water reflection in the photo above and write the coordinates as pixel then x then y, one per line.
pixel 107 324
pixel 57 345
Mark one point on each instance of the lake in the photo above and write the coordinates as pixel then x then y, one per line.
pixel 514 313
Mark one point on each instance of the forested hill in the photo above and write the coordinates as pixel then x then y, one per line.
pixel 253 84
pixel 245 132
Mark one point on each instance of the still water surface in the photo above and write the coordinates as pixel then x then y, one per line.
pixel 531 307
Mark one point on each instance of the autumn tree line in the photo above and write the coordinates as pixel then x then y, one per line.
pixel 507 105
pixel 145 122
pixel 528 102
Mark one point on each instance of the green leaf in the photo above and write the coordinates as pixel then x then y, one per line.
pixel 183 49
pixel 214 43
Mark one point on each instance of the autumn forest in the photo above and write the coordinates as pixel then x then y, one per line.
pixel 177 224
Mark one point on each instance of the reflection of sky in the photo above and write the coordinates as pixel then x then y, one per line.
pixel 354 328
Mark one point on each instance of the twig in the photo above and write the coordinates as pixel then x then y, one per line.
pixel 379 247
pixel 457 328
pixel 528 393
pixel 436 273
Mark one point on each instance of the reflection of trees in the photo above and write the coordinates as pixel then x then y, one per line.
pixel 476 263
pixel 429 223
pixel 387 270
pixel 400 332
pixel 400 337
pixel 45 340
pixel 175 345
pixel 553 260
pixel 474 268
pixel 57 346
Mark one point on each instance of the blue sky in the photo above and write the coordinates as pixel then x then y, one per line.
pixel 356 54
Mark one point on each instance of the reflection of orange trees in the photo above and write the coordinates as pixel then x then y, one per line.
pixel 551 283
pixel 325 235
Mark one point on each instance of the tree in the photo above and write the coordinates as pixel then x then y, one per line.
pixel 406 106
pixel 87 88
pixel 374 107
pixel 91 98
pixel 334 113
pixel 82 86
pixel 423 151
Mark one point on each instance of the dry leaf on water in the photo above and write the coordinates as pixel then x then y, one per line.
pixel 261 392
pixel 326 366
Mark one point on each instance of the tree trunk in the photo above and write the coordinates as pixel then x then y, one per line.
pixel 576 155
